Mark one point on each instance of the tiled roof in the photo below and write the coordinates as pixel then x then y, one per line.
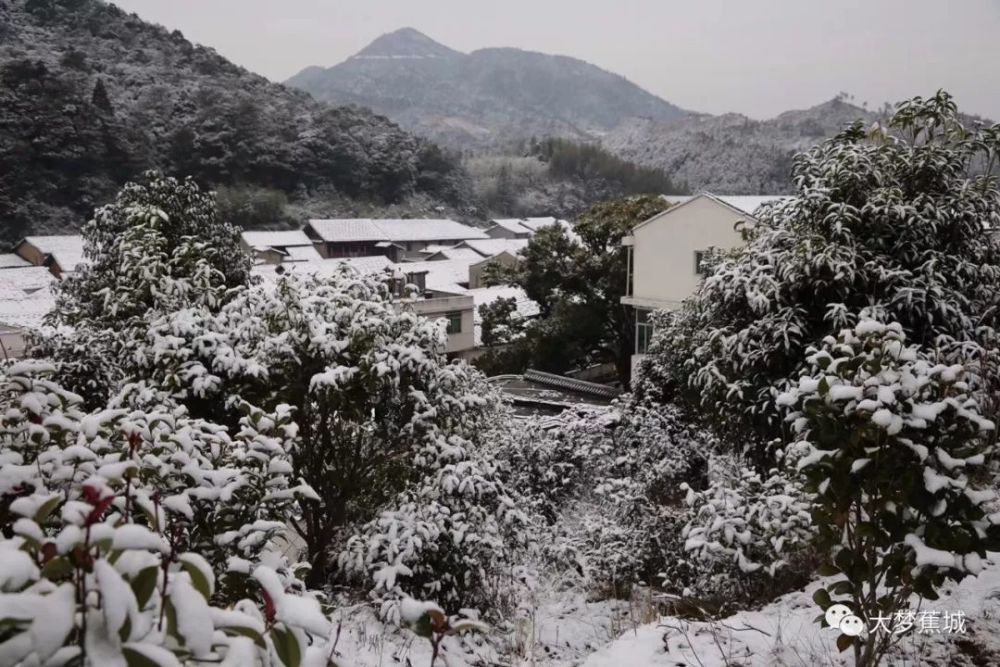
pixel 276 239
pixel 23 303
pixel 491 247
pixel 467 254
pixel 26 279
pixel 11 261
pixel 302 253
pixel 369 229
pixel 446 275
pixel 347 230
pixel 325 267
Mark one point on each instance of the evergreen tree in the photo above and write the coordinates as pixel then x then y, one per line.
pixel 889 223
pixel 100 98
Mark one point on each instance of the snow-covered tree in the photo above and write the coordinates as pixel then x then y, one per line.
pixel 124 531
pixel 158 248
pixel 377 407
pixel 893 447
pixel 888 222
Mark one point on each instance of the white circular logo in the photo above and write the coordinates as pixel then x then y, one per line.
pixel 836 613
pixel 852 626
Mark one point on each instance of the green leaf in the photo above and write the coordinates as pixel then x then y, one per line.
pixel 286 646
pixel 844 642
pixel 827 569
pixel 46 509
pixel 149 656
pixel 242 631
pixel 822 598
pixel 143 584
pixel 198 580
pixel 57 568
pixel 824 387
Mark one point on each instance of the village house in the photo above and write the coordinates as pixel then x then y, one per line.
pixel 25 299
pixel 398 239
pixel 59 254
pixel 666 252
pixel 278 247
pixel 520 228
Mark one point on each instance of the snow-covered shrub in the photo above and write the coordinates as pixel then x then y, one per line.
pixel 219 495
pixel 379 410
pixel 609 485
pixel 446 539
pixel 749 536
pixel 886 221
pixel 116 524
pixel 890 442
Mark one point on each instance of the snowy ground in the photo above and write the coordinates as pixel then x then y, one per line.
pixel 786 633
pixel 560 628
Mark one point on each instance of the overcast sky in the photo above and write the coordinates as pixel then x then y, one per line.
pixel 757 57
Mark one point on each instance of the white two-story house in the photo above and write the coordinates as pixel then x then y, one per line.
pixel 665 252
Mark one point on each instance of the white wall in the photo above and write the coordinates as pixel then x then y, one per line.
pixel 663 261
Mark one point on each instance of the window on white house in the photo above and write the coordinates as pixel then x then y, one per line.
pixel 643 330
pixel 699 261
pixel 454 322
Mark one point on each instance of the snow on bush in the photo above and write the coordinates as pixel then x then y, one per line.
pixel 749 533
pixel 889 222
pixel 389 433
pixel 893 447
pixel 117 524
pixel 607 484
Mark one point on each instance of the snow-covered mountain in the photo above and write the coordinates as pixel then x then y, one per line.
pixel 484 98
pixel 732 153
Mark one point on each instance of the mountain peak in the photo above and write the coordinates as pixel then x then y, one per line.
pixel 405 43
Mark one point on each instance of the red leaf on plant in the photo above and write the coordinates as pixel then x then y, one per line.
pixel 269 610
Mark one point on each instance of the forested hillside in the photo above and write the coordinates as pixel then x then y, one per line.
pixel 90 96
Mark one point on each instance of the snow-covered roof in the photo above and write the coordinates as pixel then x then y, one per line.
pixel 370 229
pixel 428 230
pixel 491 247
pixel 372 264
pixel 347 230
pixel 66 250
pixel 511 225
pixel 528 225
pixel 26 279
pixel 22 308
pixel 458 252
pixel 746 203
pixel 302 253
pixel 446 275
pixel 325 267
pixel 534 224
pixel 9 260
pixel 276 239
